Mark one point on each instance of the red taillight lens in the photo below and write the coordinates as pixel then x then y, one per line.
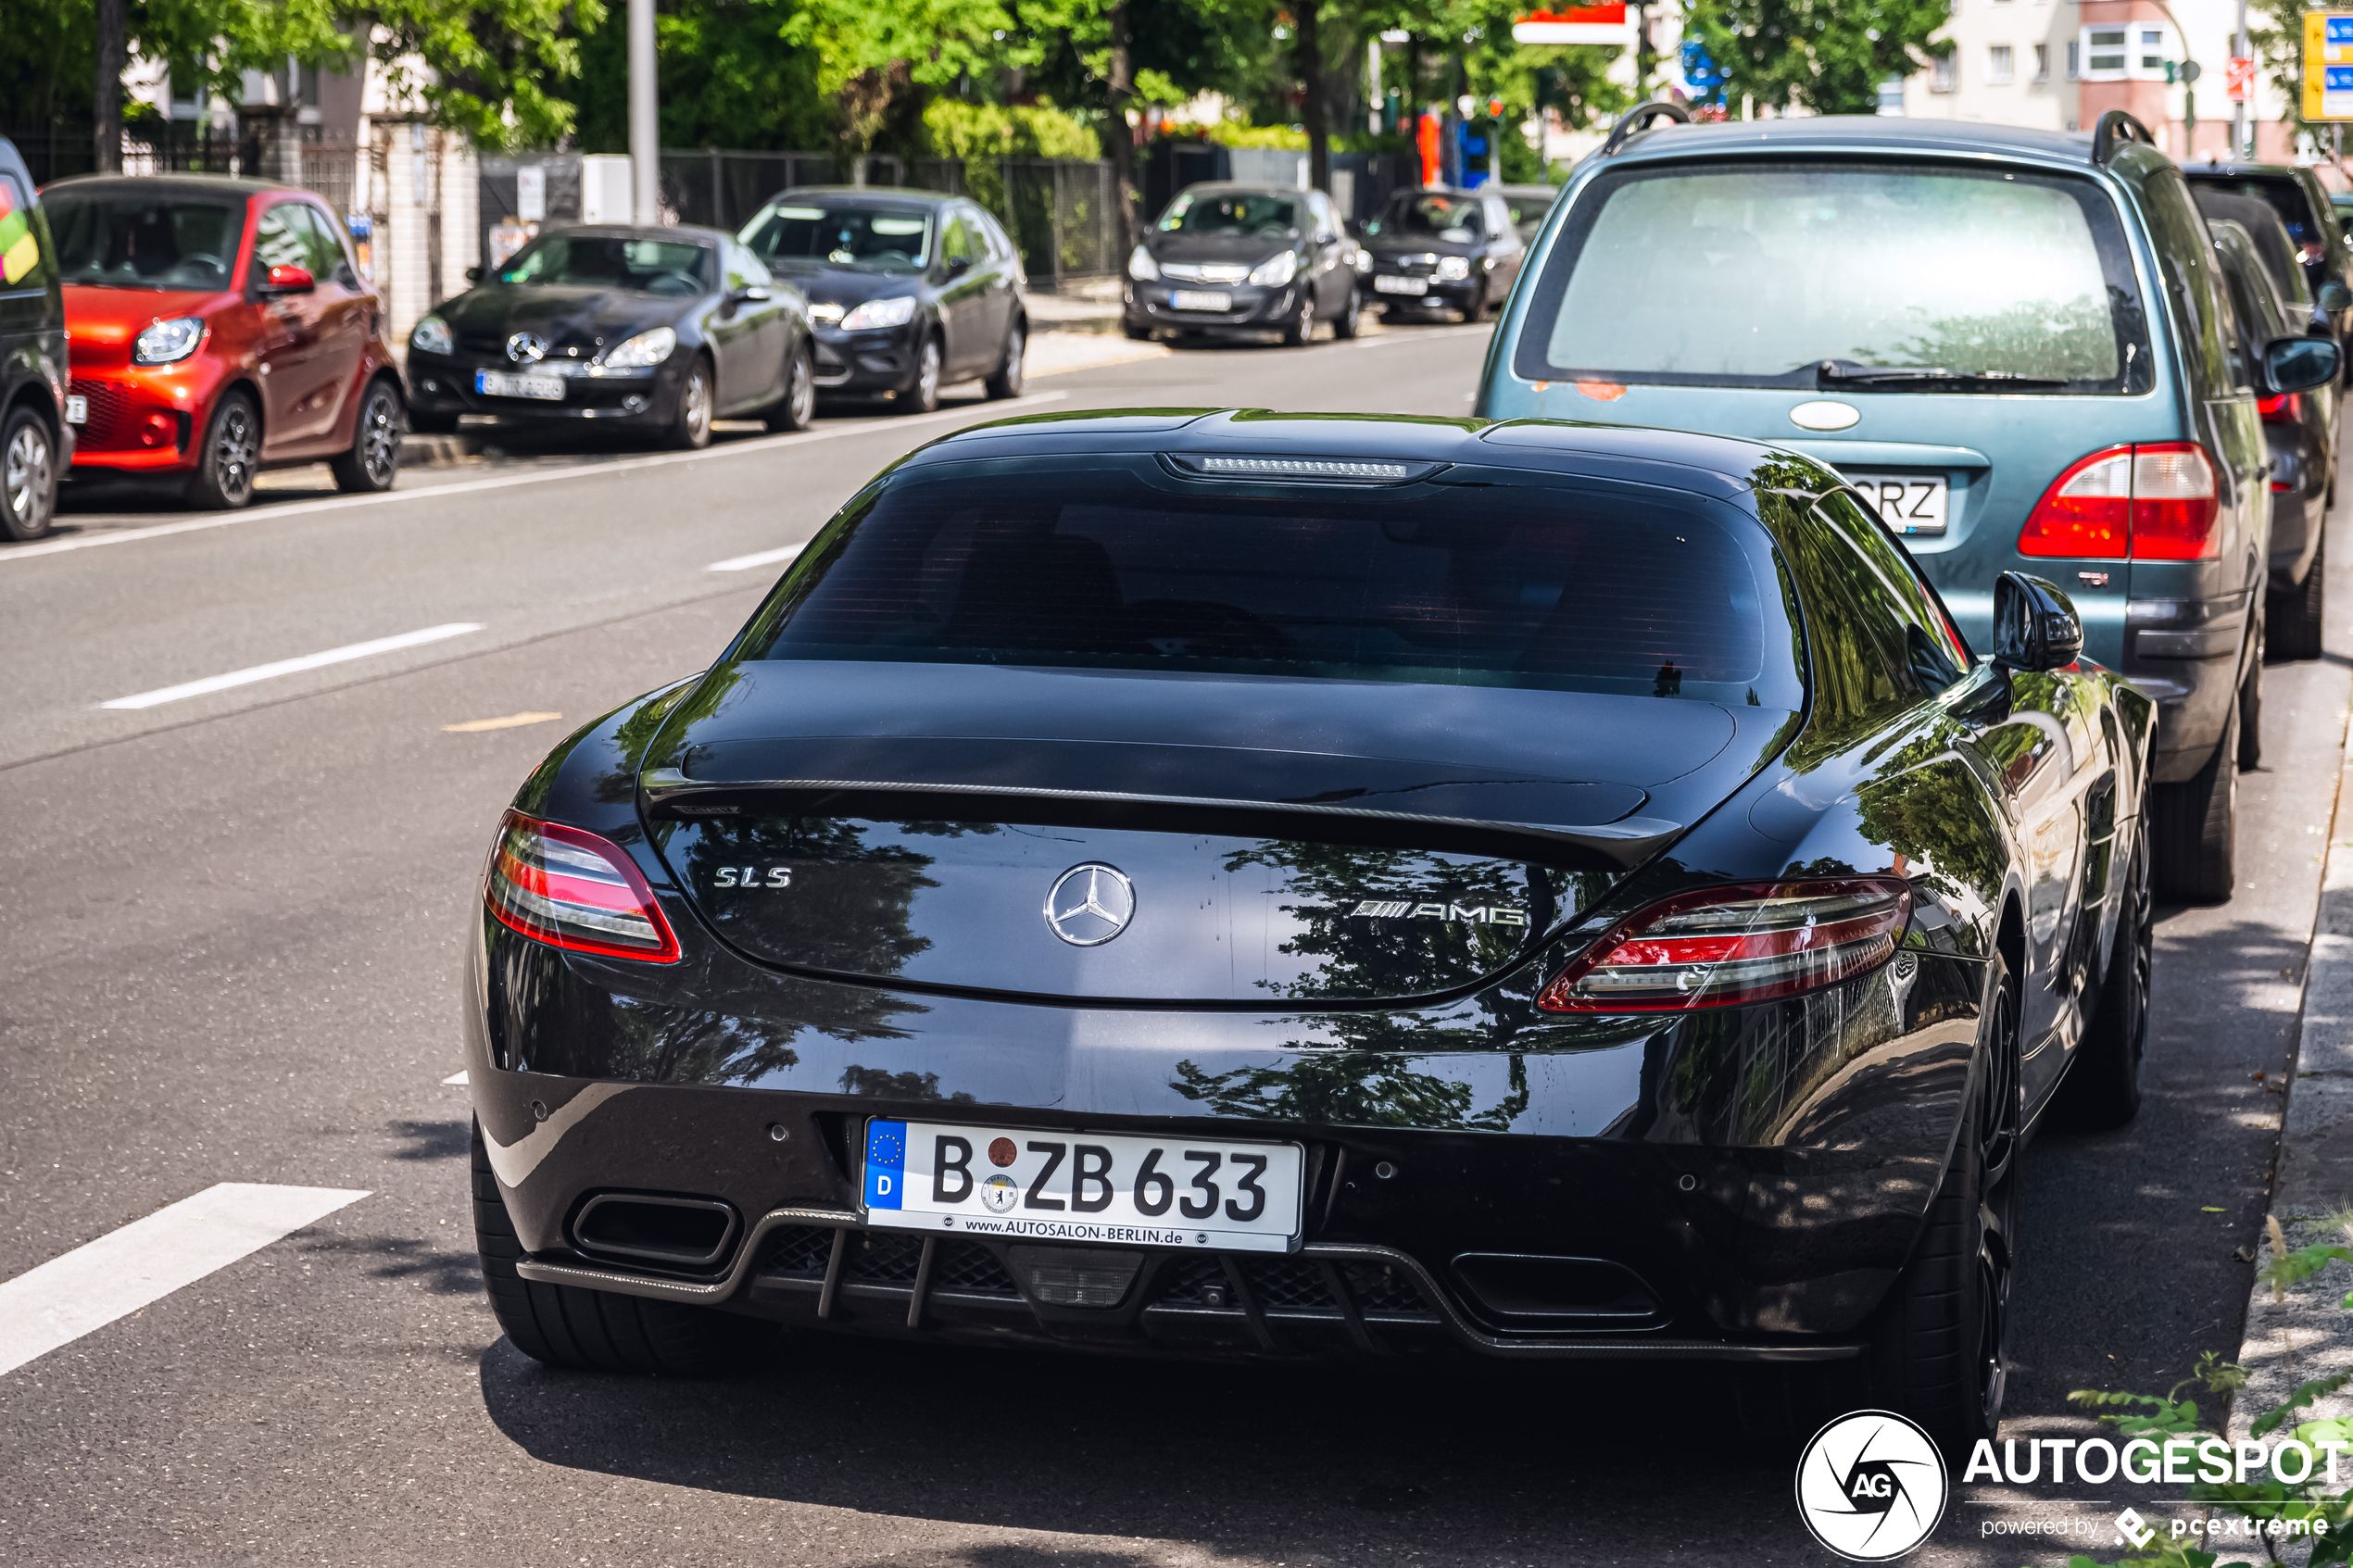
pixel 2155 501
pixel 573 890
pixel 2087 510
pixel 1729 946
pixel 2281 409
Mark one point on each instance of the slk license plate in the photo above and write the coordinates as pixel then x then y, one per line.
pixel 1386 283
pixel 1082 1186
pixel 1199 299
pixel 1911 502
pixel 498 384
pixel 77 410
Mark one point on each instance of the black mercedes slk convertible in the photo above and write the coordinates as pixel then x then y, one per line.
pixel 1240 884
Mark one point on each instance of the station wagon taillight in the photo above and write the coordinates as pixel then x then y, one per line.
pixel 1730 946
pixel 2152 501
pixel 574 890
pixel 2281 409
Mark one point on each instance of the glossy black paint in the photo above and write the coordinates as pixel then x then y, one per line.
pixel 1758 1173
pixel 32 346
pixel 1324 257
pixel 2324 250
pixel 746 326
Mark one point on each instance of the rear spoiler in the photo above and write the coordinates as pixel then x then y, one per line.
pixel 2117 126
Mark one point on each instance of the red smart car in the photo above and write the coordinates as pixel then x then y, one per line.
pixel 219 328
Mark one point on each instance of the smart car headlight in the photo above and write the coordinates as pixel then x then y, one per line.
pixel 1275 271
pixel 894 312
pixel 165 342
pixel 644 351
pixel 1454 268
pixel 432 336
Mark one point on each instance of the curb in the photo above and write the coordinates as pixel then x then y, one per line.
pixel 2309 1334
pixel 438 451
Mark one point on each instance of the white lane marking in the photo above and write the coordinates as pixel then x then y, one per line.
pixel 295 666
pixel 761 558
pixel 66 1297
pixel 458 1078
pixel 535 476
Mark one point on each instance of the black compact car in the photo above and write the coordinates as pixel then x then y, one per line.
pixel 36 442
pixel 2299 430
pixel 909 291
pixel 1436 248
pixel 1527 207
pixel 2313 222
pixel 1257 886
pixel 1229 259
pixel 659 329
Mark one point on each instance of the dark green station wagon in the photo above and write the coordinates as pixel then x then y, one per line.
pixel 2016 345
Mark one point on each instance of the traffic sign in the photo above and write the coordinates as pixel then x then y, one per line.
pixel 2328 65
pixel 2238 78
pixel 1575 24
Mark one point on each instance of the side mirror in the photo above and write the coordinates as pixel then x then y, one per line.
pixel 2035 626
pixel 474 274
pixel 2334 296
pixel 959 265
pixel 2298 364
pixel 290 280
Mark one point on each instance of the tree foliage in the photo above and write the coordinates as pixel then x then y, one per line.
pixel 1827 56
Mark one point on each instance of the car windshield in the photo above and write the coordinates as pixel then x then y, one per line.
pixel 612 261
pixel 1542 587
pixel 881 238
pixel 146 239
pixel 1421 215
pixel 1885 276
pixel 1230 212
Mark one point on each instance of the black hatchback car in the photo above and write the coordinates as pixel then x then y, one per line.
pixel 909 292
pixel 652 329
pixel 1441 249
pixel 1244 260
pixel 1255 885
pixel 36 442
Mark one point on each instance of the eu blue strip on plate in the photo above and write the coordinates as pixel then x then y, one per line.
pixel 886 1163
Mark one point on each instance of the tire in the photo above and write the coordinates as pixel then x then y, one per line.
pixel 1299 332
pixel 2251 752
pixel 373 461
pixel 922 393
pixel 797 408
pixel 422 423
pixel 28 475
pixel 1013 374
pixel 690 427
pixel 2293 620
pixel 230 456
pixel 1938 1350
pixel 1351 318
pixel 2193 827
pixel 1476 311
pixel 2102 1088
pixel 1136 332
pixel 564 1325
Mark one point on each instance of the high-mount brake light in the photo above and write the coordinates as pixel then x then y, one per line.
pixel 2153 501
pixel 1732 945
pixel 1312 471
pixel 573 890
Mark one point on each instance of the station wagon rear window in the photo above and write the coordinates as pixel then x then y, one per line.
pixel 1880 277
pixel 1538 586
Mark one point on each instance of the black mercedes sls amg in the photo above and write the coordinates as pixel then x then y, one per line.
pixel 1242 885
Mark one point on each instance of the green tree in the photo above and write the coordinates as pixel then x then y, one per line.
pixel 1827 56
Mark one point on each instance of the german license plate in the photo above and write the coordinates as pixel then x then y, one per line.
pixel 1911 502
pixel 499 384
pixel 1082 1186
pixel 1199 299
pixel 77 410
pixel 1386 282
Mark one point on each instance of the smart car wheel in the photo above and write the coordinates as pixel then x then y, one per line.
pixel 564 1325
pixel 226 461
pixel 1010 376
pixel 2194 826
pixel 2102 1088
pixel 28 475
pixel 374 458
pixel 798 405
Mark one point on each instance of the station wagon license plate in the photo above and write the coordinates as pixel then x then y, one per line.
pixel 1199 299
pixel 1911 502
pixel 1385 282
pixel 499 384
pixel 1097 1188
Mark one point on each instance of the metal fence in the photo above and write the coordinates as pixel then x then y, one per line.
pixel 60 148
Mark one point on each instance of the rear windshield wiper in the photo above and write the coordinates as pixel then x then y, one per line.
pixel 1834 371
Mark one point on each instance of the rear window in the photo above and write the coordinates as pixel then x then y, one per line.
pixel 145 238
pixel 1563 588
pixel 1879 277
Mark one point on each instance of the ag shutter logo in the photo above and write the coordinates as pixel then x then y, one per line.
pixel 1871 1487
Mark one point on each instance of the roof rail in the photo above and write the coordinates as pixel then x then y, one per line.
pixel 2117 126
pixel 1635 118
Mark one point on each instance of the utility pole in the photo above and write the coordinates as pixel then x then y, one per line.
pixel 2238 110
pixel 645 124
pixel 107 106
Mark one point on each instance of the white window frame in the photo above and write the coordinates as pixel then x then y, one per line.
pixel 2042 62
pixel 2001 65
pixel 1941 74
pixel 2138 53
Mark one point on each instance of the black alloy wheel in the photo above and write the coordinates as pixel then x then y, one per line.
pixel 922 395
pixel 2103 1086
pixel 690 431
pixel 2194 826
pixel 28 475
pixel 2251 707
pixel 1014 372
pixel 231 454
pixel 797 408
pixel 1350 318
pixel 1299 331
pixel 374 458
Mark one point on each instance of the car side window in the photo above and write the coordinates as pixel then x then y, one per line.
pixel 20 255
pixel 743 269
pixel 328 259
pixel 957 241
pixel 1499 217
pixel 2185 256
pixel 281 239
pixel 1934 652
pixel 2239 316
pixel 1326 231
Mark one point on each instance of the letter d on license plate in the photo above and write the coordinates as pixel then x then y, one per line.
pixel 1083 1186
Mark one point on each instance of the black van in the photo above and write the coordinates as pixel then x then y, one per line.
pixel 36 442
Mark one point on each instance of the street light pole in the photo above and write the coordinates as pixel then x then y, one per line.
pixel 2238 109
pixel 644 132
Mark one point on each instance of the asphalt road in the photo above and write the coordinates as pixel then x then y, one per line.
pixel 231 918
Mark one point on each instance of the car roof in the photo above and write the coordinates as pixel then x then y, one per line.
pixel 645 232
pixel 2225 169
pixel 1248 187
pixel 210 184
pixel 870 193
pixel 1875 133
pixel 1718 465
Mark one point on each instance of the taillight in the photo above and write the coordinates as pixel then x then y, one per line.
pixel 2155 501
pixel 1729 946
pixel 2281 409
pixel 573 890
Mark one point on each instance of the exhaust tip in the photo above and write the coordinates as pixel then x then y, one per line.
pixel 678 1233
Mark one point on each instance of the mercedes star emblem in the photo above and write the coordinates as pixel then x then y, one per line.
pixel 526 348
pixel 1090 904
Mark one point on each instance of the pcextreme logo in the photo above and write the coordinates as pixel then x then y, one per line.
pixel 1871 1487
